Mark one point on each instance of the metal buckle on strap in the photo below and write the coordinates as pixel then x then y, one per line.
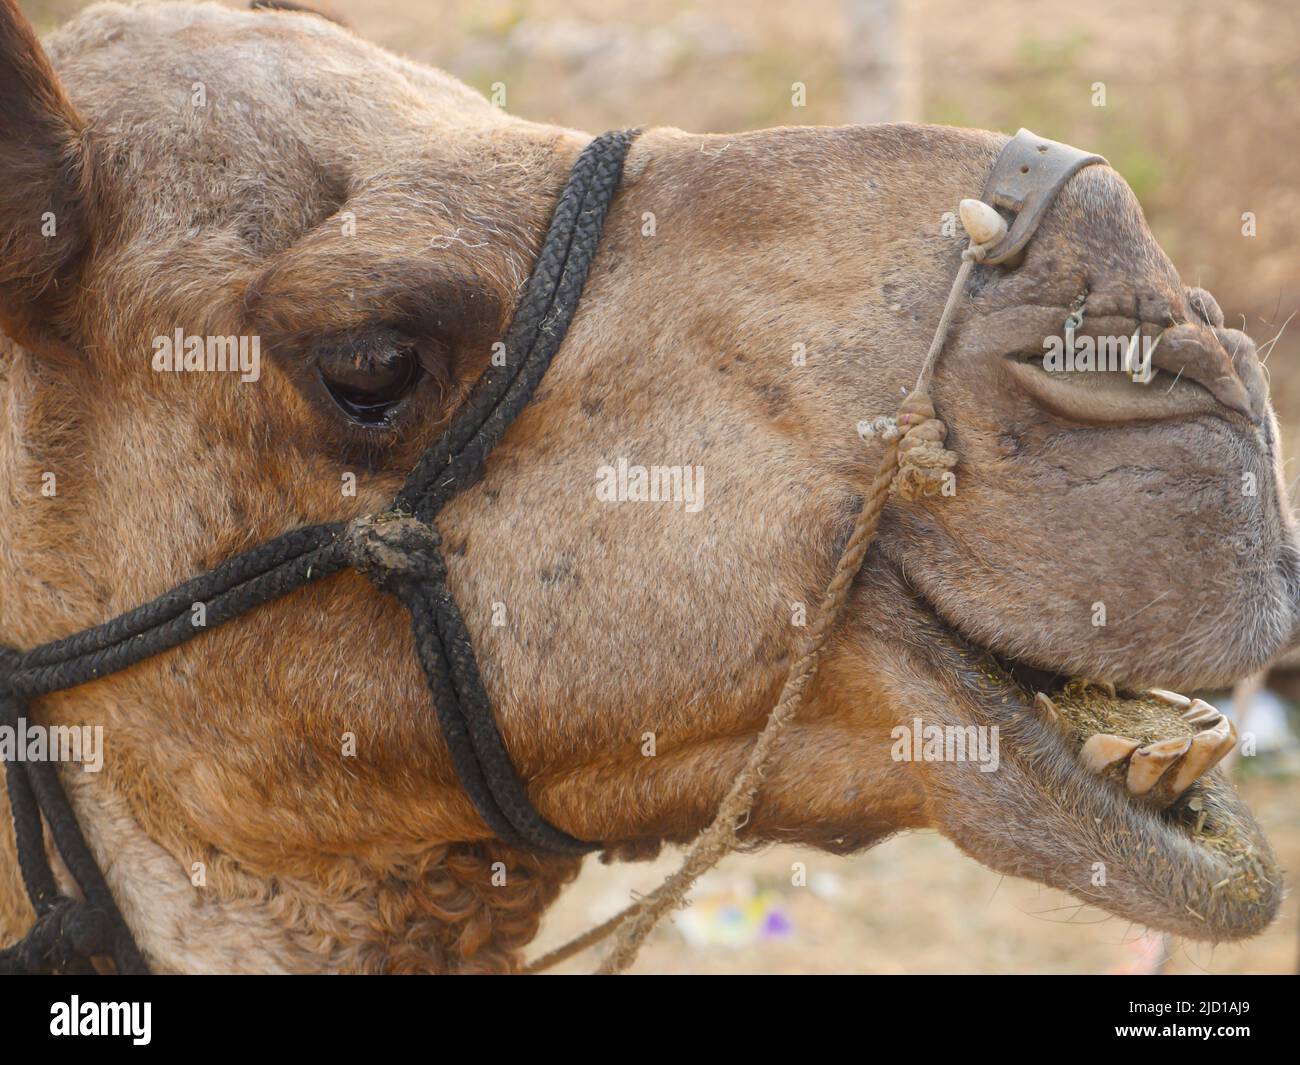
pixel 1025 179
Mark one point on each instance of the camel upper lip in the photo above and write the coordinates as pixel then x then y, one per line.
pixel 1200 867
pixel 1194 373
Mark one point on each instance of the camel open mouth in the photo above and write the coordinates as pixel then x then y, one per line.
pixel 1112 796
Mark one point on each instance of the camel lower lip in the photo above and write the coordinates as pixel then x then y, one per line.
pixel 1109 398
pixel 1200 868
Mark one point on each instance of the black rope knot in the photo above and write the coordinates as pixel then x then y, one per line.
pixel 393 548
pixel 62 940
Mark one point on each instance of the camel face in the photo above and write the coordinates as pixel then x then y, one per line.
pixel 219 174
pixel 1161 500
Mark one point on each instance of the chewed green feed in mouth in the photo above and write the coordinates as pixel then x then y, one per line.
pixel 1119 800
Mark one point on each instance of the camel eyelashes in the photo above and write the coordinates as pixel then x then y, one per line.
pixel 370 376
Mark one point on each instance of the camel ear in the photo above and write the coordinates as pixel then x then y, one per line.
pixel 44 183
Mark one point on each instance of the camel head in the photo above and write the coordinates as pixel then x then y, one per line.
pixel 275 794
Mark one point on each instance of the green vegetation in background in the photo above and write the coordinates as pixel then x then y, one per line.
pixel 1047 87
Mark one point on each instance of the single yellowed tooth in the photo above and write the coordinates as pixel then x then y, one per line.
pixel 1224 736
pixel 1229 740
pixel 1150 763
pixel 1170 698
pixel 982 223
pixel 1201 713
pixel 1045 704
pixel 1104 750
pixel 1208 748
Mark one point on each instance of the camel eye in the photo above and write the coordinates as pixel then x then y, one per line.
pixel 369 376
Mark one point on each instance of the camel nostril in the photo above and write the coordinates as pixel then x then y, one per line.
pixel 1246 365
pixel 1205 306
pixel 1222 361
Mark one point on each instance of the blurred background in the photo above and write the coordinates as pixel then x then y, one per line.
pixel 1196 103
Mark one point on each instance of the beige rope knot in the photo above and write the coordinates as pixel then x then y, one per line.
pixel 923 462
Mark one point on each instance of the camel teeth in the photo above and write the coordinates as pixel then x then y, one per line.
pixel 1207 749
pixel 1104 750
pixel 1201 713
pixel 1173 699
pixel 1220 739
pixel 1151 762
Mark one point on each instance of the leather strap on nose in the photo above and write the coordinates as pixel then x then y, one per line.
pixel 1025 179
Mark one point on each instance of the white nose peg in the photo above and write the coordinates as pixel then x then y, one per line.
pixel 982 223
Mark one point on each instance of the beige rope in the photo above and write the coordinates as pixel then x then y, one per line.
pixel 635 922
pixel 720 837
pixel 972 255
pixel 580 943
pixel 913 464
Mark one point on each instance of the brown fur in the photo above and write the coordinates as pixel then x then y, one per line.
pixel 621 620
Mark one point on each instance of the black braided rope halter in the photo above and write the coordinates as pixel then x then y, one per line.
pixel 399 550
